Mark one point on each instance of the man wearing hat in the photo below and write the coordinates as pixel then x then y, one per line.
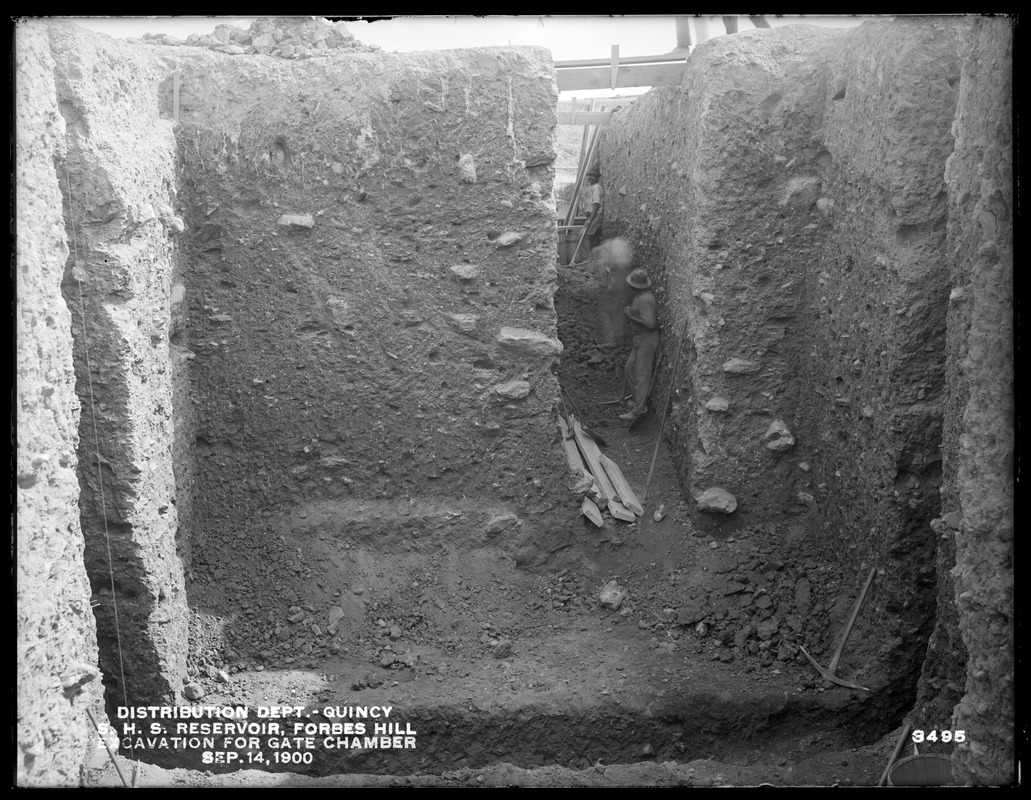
pixel 594 202
pixel 644 329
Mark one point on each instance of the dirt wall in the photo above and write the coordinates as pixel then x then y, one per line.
pixel 875 372
pixel 804 215
pixel 979 435
pixel 351 293
pixel 118 182
pixel 56 637
pixel 791 197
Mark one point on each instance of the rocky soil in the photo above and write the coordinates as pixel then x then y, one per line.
pixel 355 290
pixel 694 677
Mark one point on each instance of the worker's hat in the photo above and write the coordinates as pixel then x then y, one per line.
pixel 595 172
pixel 639 279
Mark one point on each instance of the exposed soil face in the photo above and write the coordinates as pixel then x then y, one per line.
pixel 321 346
pixel 490 662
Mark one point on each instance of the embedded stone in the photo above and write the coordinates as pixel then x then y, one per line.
pixel 177 296
pixel 691 612
pixel 500 522
pixel 717 404
pixel 513 390
pixel 467 168
pixel 304 221
pixel 466 323
pixel 78 675
pixel 768 628
pixel 716 501
pixel 612 595
pixel 193 691
pixel 508 238
pixel 778 438
pixel 467 272
pixel 740 366
pixel 531 341
pixel 803 595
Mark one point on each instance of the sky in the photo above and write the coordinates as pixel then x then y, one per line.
pixel 568 37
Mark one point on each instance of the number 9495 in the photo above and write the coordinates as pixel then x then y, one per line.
pixel 919 736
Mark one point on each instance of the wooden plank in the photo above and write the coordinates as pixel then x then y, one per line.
pixel 592 456
pixel 590 510
pixel 585 118
pixel 623 491
pixel 576 463
pixel 175 96
pixel 634 75
pixel 621 512
pixel 581 173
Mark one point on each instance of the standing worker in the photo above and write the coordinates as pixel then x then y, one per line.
pixel 595 204
pixel 644 328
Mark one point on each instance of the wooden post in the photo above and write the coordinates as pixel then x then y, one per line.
pixel 175 96
pixel 584 166
pixel 615 65
pixel 701 29
pixel 684 32
pixel 730 23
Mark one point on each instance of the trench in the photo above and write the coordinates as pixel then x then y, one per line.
pixel 336 551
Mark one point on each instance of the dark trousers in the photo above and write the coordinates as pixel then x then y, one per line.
pixel 639 367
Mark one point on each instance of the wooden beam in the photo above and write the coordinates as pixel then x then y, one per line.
pixel 585 118
pixel 668 58
pixel 590 510
pixel 175 96
pixel 576 463
pixel 592 455
pixel 601 77
pixel 623 491
pixel 619 511
pixel 580 173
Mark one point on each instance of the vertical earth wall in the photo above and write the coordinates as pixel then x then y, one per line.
pixel 979 435
pixel 877 296
pixel 56 637
pixel 118 181
pixel 370 283
pixel 791 196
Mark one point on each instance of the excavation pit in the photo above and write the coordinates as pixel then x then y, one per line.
pixel 294 347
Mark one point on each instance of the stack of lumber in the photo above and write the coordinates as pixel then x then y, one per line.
pixel 598 477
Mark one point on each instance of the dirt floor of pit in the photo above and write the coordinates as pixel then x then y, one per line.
pixel 493 664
